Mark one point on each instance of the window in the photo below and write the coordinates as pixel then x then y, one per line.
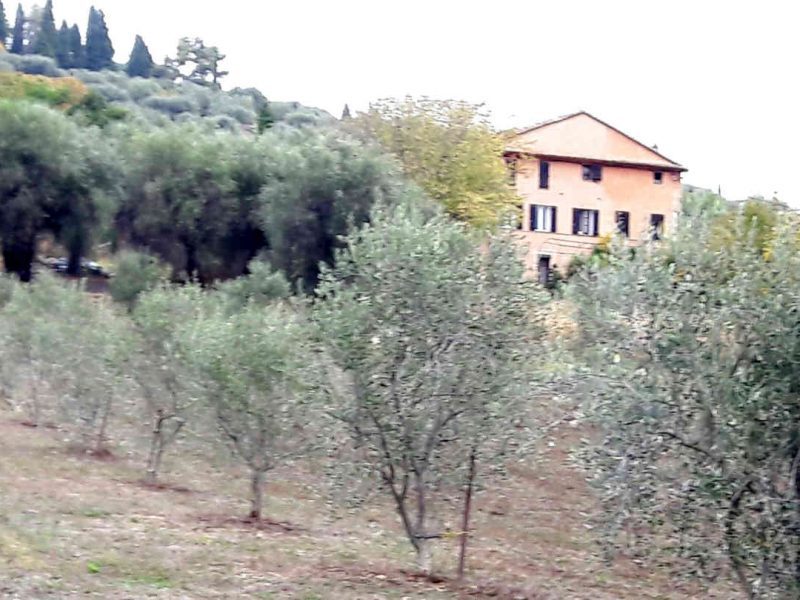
pixel 544 174
pixel 658 177
pixel 623 219
pixel 656 226
pixel 511 167
pixel 543 218
pixel 584 221
pixel 592 172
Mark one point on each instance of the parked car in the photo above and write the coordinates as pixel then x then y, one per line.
pixel 88 267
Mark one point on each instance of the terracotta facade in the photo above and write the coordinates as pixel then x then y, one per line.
pixel 579 179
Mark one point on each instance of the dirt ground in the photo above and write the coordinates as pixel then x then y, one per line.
pixel 73 526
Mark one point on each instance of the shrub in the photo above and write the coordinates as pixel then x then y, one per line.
pixel 37 65
pixel 263 285
pixel 227 123
pixel 241 114
pixel 6 290
pixel 301 118
pixel 89 76
pixel 111 92
pixel 139 89
pixel 60 92
pixel 136 273
pixel 95 110
pixel 171 105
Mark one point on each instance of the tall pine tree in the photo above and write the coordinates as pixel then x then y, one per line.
pixel 99 51
pixel 140 63
pixel 46 38
pixel 18 41
pixel 3 25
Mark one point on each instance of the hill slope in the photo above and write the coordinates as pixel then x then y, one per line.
pixel 72 526
pixel 158 101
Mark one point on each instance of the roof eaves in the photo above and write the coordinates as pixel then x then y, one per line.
pixel 591 116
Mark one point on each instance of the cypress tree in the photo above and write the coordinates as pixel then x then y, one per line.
pixel 346 113
pixel 77 54
pixel 99 50
pixel 46 38
pixel 140 63
pixel 265 118
pixel 18 41
pixel 62 46
pixel 3 25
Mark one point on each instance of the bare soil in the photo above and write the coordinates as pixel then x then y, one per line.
pixel 72 526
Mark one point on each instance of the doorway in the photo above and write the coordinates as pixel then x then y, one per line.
pixel 544 269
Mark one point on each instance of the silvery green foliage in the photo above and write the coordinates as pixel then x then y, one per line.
pixel 34 65
pixel 258 367
pixel 261 285
pixel 437 338
pixel 160 365
pixel 692 350
pixel 68 355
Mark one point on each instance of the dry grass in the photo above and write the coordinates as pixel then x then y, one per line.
pixel 72 526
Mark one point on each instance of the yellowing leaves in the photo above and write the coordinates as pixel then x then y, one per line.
pixel 449 149
pixel 60 92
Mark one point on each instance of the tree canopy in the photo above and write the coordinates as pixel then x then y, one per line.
pixel 321 185
pixel 99 50
pixel 693 349
pixel 69 47
pixel 140 63
pixel 3 25
pixel 449 149
pixel 436 338
pixel 203 62
pixel 45 41
pixel 51 173
pixel 18 33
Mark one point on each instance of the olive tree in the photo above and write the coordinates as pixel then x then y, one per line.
pixel 320 184
pixel 691 351
pixel 53 176
pixel 160 368
pixel 25 354
pixel 64 347
pixel 256 362
pixel 437 336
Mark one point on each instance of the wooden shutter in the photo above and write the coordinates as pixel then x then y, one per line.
pixel 544 174
pixel 554 228
pixel 575 219
pixel 534 217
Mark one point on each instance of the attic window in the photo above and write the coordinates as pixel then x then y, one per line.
pixel 658 177
pixel 592 172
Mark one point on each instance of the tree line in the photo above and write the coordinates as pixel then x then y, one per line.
pixel 36 33
pixel 207 202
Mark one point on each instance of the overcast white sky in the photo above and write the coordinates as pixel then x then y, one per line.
pixel 713 83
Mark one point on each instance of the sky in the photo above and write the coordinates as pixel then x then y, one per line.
pixel 714 84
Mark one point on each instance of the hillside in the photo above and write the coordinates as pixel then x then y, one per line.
pixel 72 526
pixel 159 101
